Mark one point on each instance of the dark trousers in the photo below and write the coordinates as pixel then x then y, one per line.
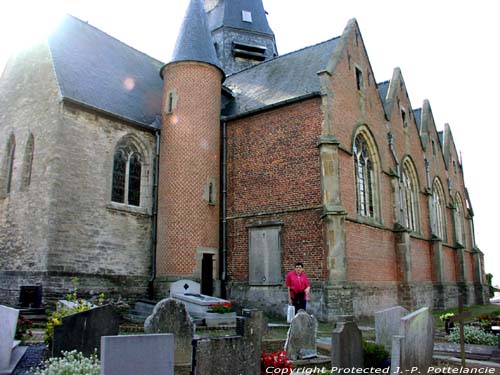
pixel 299 302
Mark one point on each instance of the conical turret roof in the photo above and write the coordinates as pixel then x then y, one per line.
pixel 194 42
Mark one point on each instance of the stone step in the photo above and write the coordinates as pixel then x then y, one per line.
pixel 144 307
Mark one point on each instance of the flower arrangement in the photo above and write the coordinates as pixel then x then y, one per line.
pixel 276 363
pixel 74 363
pixel 446 316
pixel 473 335
pixel 221 307
pixel 80 305
pixel 23 328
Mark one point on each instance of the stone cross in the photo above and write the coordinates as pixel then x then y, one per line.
pixel 460 319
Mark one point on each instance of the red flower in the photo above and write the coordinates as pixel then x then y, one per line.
pixel 272 361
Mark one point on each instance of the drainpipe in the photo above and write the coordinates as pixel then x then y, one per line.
pixel 223 209
pixel 390 138
pixel 154 229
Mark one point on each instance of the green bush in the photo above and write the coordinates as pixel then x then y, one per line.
pixel 374 355
pixel 72 363
pixel 472 335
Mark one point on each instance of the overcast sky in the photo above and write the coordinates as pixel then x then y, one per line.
pixel 447 51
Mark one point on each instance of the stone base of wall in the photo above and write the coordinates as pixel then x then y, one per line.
pixel 57 284
pixel 360 299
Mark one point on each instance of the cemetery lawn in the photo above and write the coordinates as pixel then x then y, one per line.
pixel 475 311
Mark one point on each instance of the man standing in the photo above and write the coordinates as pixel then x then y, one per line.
pixel 298 287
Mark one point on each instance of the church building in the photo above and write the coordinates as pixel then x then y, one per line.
pixel 227 165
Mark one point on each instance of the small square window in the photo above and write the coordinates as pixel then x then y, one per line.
pixel 246 16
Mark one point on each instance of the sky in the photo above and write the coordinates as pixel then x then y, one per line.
pixel 447 51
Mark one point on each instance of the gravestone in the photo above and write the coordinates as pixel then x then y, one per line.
pixel 30 296
pixel 171 316
pixel 412 348
pixel 83 331
pixel 137 355
pixel 301 338
pixel 10 351
pixel 387 324
pixel 347 347
pixel 183 287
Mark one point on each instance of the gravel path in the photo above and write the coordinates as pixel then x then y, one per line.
pixel 32 358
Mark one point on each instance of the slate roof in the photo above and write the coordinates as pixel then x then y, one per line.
pixel 383 87
pixel 283 78
pixel 228 13
pixel 99 71
pixel 194 42
pixel 418 117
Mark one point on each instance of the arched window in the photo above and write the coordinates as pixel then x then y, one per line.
pixel 365 177
pixel 410 196
pixel 127 169
pixel 459 220
pixel 28 162
pixel 437 214
pixel 7 170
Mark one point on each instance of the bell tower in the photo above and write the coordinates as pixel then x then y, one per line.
pixel 188 207
pixel 241 34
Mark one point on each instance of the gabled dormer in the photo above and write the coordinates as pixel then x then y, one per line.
pixel 397 100
pixel 241 34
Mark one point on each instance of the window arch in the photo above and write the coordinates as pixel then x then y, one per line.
pixel 409 195
pixel 459 220
pixel 127 173
pixel 28 162
pixel 7 170
pixel 438 223
pixel 365 172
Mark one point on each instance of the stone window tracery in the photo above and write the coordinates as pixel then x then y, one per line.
pixel 127 169
pixel 365 177
pixel 438 224
pixel 410 196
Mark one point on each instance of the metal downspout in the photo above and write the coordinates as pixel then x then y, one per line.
pixel 223 209
pixel 154 229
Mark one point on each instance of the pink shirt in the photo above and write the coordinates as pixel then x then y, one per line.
pixel 296 283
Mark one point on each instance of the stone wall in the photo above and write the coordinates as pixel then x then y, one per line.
pixel 63 224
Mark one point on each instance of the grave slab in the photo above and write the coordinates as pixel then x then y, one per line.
pixel 301 338
pixel 10 352
pixel 387 323
pixel 137 355
pixel 347 347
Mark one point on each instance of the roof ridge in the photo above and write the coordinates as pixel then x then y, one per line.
pixel 286 54
pixel 113 37
pixel 384 82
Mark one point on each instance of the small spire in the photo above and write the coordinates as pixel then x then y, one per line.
pixel 194 42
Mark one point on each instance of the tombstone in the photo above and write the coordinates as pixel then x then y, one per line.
pixel 413 346
pixel 137 355
pixel 347 347
pixel 199 305
pixel 171 316
pixel 387 325
pixel 183 287
pixel 301 338
pixel 30 296
pixel 83 331
pixel 10 351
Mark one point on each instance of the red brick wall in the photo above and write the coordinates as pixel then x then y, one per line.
pixel 302 241
pixel 449 270
pixel 273 168
pixel 421 257
pixel 469 261
pixel 371 254
pixel 190 149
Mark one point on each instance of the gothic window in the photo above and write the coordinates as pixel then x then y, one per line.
pixel 127 169
pixel 459 220
pixel 7 169
pixel 410 196
pixel 359 79
pixel 365 177
pixel 438 223
pixel 28 162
